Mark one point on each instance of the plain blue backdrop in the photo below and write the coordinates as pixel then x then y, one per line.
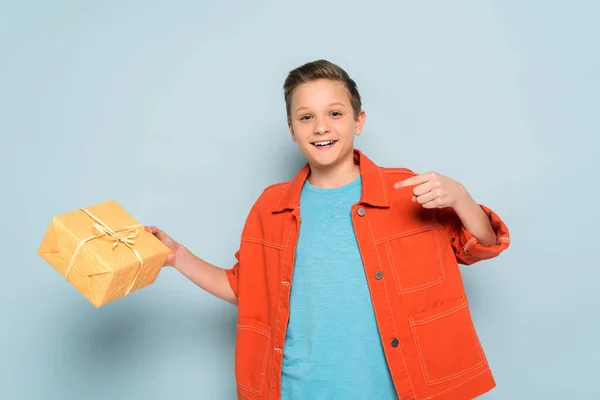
pixel 175 110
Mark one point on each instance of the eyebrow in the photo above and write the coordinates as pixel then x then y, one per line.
pixel 331 104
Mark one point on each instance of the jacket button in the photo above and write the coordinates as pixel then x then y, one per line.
pixel 394 342
pixel 361 211
pixel 379 275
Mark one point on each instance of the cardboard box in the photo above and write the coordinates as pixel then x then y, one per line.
pixel 103 252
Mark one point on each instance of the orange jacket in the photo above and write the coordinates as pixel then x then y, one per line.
pixel 410 255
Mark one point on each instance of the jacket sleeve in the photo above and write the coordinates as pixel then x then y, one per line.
pixel 466 247
pixel 233 274
pixel 252 224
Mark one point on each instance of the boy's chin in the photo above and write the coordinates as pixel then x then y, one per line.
pixel 325 159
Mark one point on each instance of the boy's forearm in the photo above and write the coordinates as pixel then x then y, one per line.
pixel 208 277
pixel 475 220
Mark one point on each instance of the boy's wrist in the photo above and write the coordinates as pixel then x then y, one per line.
pixel 464 203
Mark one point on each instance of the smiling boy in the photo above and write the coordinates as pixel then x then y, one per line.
pixel 347 280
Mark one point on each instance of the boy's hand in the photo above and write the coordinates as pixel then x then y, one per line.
pixel 167 241
pixel 434 190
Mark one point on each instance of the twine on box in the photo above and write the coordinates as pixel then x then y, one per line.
pixel 127 239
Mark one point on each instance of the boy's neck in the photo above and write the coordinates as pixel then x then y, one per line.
pixel 334 176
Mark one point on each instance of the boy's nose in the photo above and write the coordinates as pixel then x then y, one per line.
pixel 321 129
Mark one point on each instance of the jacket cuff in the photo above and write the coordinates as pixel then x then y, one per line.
pixel 471 248
pixel 233 274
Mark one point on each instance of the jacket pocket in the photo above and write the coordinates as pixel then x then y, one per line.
pixel 416 258
pixel 251 355
pixel 446 342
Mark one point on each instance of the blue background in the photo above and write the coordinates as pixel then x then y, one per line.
pixel 175 110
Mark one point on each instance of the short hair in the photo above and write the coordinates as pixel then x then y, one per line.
pixel 320 69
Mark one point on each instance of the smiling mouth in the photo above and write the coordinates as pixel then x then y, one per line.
pixel 324 143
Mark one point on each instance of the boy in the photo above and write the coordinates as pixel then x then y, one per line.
pixel 347 281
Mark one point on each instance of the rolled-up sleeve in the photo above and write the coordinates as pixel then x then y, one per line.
pixel 242 256
pixel 467 248
pixel 233 274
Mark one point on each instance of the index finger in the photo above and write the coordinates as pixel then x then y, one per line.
pixel 414 180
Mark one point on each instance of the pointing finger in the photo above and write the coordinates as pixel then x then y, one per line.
pixel 414 180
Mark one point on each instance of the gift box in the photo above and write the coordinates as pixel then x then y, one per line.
pixel 103 252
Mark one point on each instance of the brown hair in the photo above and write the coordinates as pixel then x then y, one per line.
pixel 320 69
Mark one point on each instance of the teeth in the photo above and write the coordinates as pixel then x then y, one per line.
pixel 324 143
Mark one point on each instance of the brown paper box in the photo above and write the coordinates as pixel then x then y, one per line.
pixel 105 267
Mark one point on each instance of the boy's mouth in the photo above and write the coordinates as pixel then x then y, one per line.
pixel 324 144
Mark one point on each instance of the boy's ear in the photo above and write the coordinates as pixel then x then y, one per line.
pixel 291 128
pixel 360 122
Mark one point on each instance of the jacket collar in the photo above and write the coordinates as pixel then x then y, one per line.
pixel 374 192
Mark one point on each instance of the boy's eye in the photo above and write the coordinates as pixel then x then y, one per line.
pixel 336 114
pixel 304 117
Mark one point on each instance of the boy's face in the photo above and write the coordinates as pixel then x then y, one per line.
pixel 322 122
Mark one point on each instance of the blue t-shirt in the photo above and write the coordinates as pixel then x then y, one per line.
pixel 332 348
